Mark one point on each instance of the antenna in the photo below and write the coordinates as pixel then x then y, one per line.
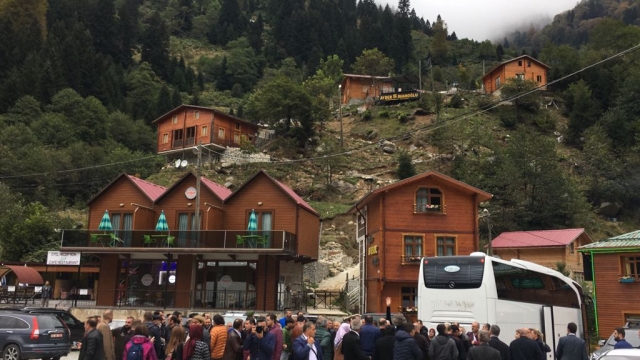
pixel 177 164
pixel 184 163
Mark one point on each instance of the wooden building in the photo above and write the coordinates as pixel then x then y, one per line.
pixel 429 214
pixel 187 126
pixel 357 89
pixel 222 264
pixel 544 247
pixel 614 267
pixel 524 67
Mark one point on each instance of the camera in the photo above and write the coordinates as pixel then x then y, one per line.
pixel 259 329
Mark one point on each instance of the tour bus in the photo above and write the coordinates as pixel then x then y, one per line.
pixel 511 294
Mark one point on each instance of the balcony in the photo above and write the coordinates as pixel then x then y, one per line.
pixel 177 143
pixel 410 260
pixel 203 241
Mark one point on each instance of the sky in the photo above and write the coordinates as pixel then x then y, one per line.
pixel 487 19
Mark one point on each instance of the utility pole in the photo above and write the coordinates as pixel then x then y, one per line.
pixel 431 71
pixel 420 74
pixel 340 115
pixel 196 226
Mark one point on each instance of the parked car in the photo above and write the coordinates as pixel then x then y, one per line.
pixel 621 354
pixel 76 327
pixel 631 329
pixel 32 335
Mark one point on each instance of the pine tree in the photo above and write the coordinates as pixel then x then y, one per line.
pixel 405 166
pixel 404 7
pixel 176 98
pixel 155 45
pixel 163 102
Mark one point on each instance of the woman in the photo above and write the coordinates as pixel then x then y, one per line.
pixel 538 337
pixel 432 333
pixel 140 342
pixel 176 343
pixel 195 348
pixel 337 343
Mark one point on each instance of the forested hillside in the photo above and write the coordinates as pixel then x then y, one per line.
pixel 81 81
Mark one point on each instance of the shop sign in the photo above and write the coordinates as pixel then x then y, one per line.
pixel 146 280
pixel 226 281
pixel 400 96
pixel 373 250
pixel 63 258
pixel 191 193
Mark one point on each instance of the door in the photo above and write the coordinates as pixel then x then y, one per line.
pixel 549 330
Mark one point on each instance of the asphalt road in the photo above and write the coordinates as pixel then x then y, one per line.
pixel 72 356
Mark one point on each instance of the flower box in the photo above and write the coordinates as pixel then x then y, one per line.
pixel 626 279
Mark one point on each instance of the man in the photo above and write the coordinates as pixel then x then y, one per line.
pixel 382 323
pixel 287 344
pixel 46 294
pixel 497 344
pixel 442 347
pixel 421 340
pixel 384 345
pixel 406 347
pixel 207 325
pixel 276 330
pixel 233 349
pixel 473 334
pixel 423 330
pixel 323 338
pixel 297 330
pixel 571 347
pixel 351 345
pixel 524 348
pixel 283 321
pixel 249 325
pixel 218 337
pixel 369 334
pixel 260 342
pixel 305 346
pixel 621 343
pixel 107 337
pixel 163 326
pixel 173 322
pixel 122 337
pixel 153 323
pixel 92 348
pixel 454 333
pixel 484 351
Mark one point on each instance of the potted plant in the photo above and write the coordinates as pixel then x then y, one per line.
pixel 626 279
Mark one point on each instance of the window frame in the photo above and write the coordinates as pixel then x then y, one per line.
pixel 174 119
pixel 629 259
pixel 409 293
pixel 440 210
pixel 196 114
pixel 444 236
pixel 528 63
pixel 413 246
pixel 539 78
pixel 259 214
pixel 165 138
pixel 572 248
pixel 238 126
pixel 498 82
pixel 519 62
pixel 204 130
pixel 221 131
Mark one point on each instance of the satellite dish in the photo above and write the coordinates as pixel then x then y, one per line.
pixel 184 163
pixel 177 163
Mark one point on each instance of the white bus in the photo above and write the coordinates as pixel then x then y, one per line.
pixel 511 294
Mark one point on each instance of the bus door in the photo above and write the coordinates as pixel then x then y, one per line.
pixel 549 330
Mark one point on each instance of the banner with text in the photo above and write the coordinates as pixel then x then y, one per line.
pixel 63 258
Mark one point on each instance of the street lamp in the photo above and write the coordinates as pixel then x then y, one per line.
pixel 486 215
pixel 340 115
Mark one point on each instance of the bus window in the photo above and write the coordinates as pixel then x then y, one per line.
pixel 453 272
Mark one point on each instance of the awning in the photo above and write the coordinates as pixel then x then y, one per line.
pixel 25 274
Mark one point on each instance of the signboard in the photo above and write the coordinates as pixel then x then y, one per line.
pixel 400 96
pixel 146 280
pixel 373 250
pixel 172 279
pixel 83 292
pixel 11 288
pixel 226 281
pixel 63 258
pixel 191 193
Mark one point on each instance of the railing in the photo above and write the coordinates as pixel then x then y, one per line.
pixel 190 141
pixel 177 143
pixel 330 300
pixel 410 260
pixel 234 240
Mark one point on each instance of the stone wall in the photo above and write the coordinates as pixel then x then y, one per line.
pixel 235 155
pixel 315 272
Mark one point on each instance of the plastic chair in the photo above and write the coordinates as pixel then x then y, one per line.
pixel 261 241
pixel 170 241
pixel 148 240
pixel 239 241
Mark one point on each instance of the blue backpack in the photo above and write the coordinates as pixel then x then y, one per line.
pixel 135 352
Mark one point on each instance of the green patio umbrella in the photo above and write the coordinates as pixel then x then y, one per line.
pixel 105 223
pixel 162 223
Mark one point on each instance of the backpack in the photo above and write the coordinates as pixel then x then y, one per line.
pixel 135 352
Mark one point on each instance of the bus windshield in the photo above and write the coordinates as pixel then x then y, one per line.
pixel 453 272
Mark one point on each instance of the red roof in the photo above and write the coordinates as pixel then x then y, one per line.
pixel 540 238
pixel 296 197
pixel 153 191
pixel 219 190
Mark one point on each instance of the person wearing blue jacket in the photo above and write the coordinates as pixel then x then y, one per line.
pixel 304 346
pixel 260 343
pixel 369 334
pixel 406 347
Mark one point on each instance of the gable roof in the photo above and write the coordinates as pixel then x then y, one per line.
pixel 483 195
pixel 218 190
pixel 287 190
pixel 150 190
pixel 183 106
pixel 515 59
pixel 538 238
pixel 624 241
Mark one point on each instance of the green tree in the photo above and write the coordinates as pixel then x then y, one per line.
pixel 439 45
pixel 155 45
pixel 142 86
pixel 514 88
pixel 374 63
pixel 405 166
pixel 583 109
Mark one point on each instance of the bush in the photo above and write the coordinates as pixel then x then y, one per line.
pixel 545 121
pixel 367 116
pixel 403 117
pixel 383 114
pixel 456 101
pixel 509 120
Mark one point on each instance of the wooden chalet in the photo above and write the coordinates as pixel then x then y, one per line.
pixel 614 267
pixel 429 214
pixel 523 67
pixel 357 89
pixel 220 264
pixel 187 126
pixel 544 247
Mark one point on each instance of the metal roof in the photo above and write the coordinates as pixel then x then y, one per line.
pixel 628 240
pixel 539 238
pixel 219 190
pixel 25 274
pixel 153 191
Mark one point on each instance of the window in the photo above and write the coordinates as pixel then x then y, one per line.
pixel 236 138
pixel 238 127
pixel 177 137
pixel 520 76
pixel 578 276
pixel 631 266
pixel 220 133
pixel 174 119
pixel 428 200
pixel 528 63
pixel 571 248
pixel 412 245
pixel 196 114
pixel 409 295
pixel 498 82
pixel 203 132
pixel 446 246
pixel 519 62
pixel 191 132
pixel 539 78
pixel 165 138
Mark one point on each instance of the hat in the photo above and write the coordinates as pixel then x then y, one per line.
pixel 157 317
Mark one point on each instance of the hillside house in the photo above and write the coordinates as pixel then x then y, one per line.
pixel 429 214
pixel 544 247
pixel 524 67
pixel 358 89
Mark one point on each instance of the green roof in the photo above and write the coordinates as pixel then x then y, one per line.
pixel 630 241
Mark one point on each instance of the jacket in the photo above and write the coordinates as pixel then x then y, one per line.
pixel 107 341
pixel 201 351
pixel 92 347
pixel 571 347
pixel 443 348
pixel 524 348
pixel 286 340
pixel 122 336
pixel 260 349
pixel 156 334
pixel 406 347
pixel 148 349
pixel 499 345
pixel 384 348
pixel 483 352
pixel 323 339
pixel 46 292
pixel 352 347
pixel 301 350
pixel 423 344
pixel 543 348
pixel 218 341
pixel 276 330
pixel 369 334
pixel 462 350
pixel 233 349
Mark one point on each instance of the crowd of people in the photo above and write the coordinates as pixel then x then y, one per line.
pixel 294 337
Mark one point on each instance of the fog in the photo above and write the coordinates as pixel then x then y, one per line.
pixel 488 19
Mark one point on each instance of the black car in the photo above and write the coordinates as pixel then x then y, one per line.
pixel 32 336
pixel 76 327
